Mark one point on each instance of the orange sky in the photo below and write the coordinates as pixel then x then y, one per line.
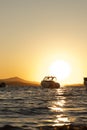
pixel 36 33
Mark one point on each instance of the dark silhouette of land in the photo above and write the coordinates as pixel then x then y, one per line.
pixel 74 85
pixel 16 81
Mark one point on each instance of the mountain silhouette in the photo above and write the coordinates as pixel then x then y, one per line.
pixel 16 81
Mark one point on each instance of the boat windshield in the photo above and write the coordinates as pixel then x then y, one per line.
pixel 50 78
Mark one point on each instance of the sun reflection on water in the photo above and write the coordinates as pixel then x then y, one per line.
pixel 58 108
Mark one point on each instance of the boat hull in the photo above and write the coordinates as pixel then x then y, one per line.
pixel 50 84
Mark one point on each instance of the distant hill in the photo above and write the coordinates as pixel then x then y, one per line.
pixel 16 81
pixel 74 85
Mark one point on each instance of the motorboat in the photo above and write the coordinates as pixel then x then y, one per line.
pixel 50 82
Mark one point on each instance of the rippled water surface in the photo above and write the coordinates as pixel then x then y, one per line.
pixel 30 107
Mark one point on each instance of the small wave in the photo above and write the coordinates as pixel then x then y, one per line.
pixel 33 111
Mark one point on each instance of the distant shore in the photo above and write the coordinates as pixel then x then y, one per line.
pixel 16 81
pixel 64 127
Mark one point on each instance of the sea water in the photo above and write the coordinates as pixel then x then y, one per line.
pixel 31 107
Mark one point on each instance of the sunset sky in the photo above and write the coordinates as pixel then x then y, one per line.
pixel 36 33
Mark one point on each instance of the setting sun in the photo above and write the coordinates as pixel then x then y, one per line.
pixel 61 69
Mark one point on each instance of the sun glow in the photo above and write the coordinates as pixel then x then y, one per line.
pixel 61 69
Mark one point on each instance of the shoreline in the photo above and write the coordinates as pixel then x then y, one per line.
pixel 64 127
